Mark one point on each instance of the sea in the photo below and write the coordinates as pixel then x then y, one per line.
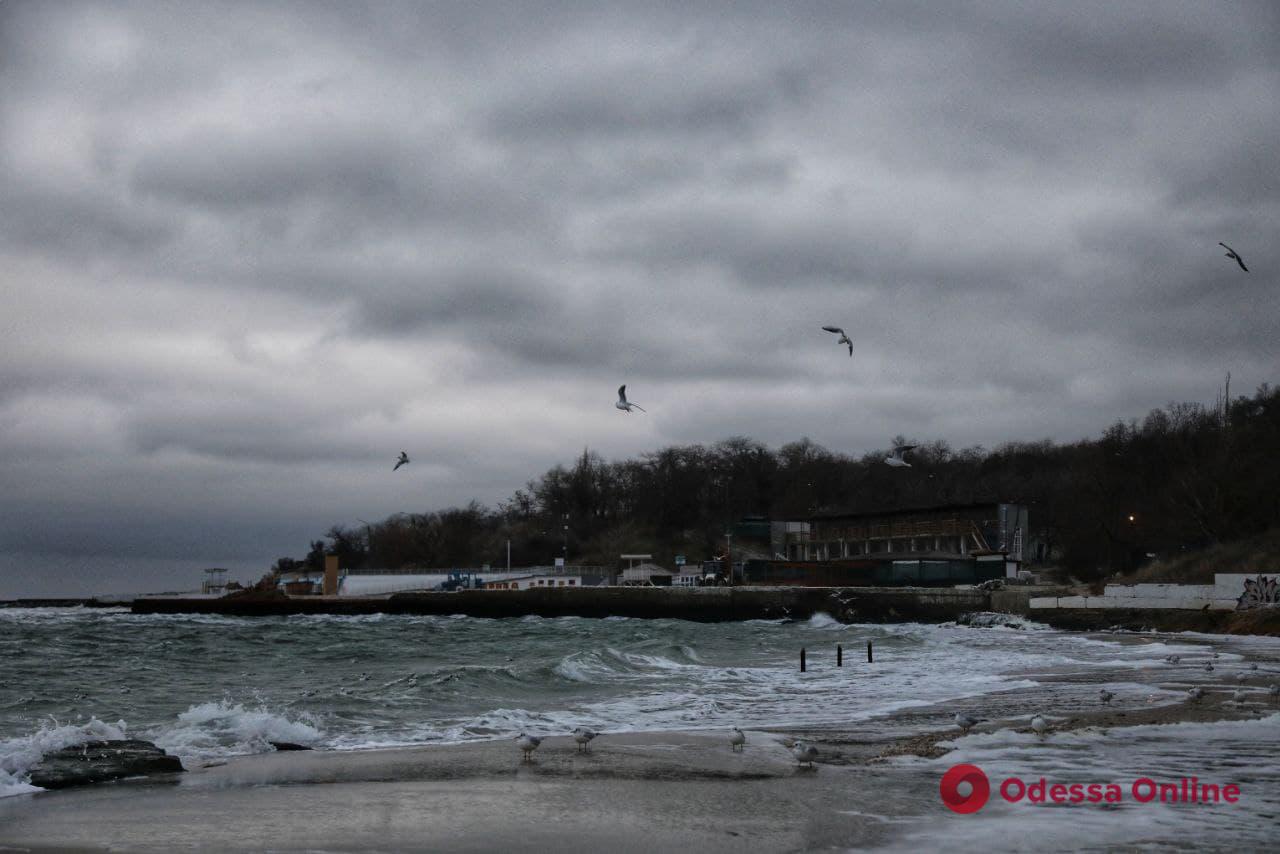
pixel 208 688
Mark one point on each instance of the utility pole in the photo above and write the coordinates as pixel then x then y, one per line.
pixel 728 553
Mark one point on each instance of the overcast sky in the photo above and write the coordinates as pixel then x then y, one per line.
pixel 250 252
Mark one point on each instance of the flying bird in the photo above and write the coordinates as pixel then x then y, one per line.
pixel 404 458
pixel 622 401
pixel 844 339
pixel 1231 253
pixel 896 460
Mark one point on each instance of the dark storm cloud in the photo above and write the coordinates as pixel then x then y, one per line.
pixel 469 301
pixel 263 247
pixel 59 222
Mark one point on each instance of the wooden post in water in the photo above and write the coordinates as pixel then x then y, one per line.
pixel 839 656
pixel 869 658
pixel 802 659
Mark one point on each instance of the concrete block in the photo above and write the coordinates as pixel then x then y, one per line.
pixel 1120 590
pixel 1157 589
pixel 1109 602
pixel 1072 601
pixel 1043 602
pixel 1223 604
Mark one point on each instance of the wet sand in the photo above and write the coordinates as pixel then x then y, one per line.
pixel 632 792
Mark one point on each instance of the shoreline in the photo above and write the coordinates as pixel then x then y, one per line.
pixel 633 790
pixel 869 605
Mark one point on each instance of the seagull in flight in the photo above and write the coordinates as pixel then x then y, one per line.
pixel 844 339
pixel 404 458
pixel 896 460
pixel 1231 253
pixel 622 401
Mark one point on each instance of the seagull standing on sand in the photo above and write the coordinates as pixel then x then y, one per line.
pixel 582 735
pixel 1231 253
pixel 527 744
pixel 804 753
pixel 844 339
pixel 1105 696
pixel 967 723
pixel 404 458
pixel 896 459
pixel 622 401
pixel 1040 725
pixel 1197 693
pixel 737 739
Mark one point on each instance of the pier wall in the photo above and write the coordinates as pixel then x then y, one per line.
pixel 703 604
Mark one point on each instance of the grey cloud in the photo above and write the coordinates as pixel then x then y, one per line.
pixel 469 300
pixel 422 211
pixel 79 225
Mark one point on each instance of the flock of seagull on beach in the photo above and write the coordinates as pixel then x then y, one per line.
pixel 806 754
pixel 896 458
pixel 1040 725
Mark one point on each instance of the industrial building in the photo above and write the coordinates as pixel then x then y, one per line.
pixel 925 546
pixel 941 530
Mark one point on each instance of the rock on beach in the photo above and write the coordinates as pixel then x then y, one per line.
pixel 99 761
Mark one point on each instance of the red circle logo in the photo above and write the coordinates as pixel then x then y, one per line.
pixel 979 789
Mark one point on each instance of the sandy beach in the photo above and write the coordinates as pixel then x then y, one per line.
pixel 873 787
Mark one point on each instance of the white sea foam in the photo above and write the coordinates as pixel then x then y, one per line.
pixel 822 620
pixel 223 728
pixel 19 755
pixel 1245 752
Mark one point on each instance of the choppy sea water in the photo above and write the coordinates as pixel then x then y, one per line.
pixel 205 687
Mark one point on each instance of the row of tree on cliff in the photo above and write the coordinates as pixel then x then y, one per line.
pixel 1189 476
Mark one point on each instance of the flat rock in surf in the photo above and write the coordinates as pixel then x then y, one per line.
pixel 287 745
pixel 99 761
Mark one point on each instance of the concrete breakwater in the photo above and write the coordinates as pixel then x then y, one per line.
pixel 702 604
